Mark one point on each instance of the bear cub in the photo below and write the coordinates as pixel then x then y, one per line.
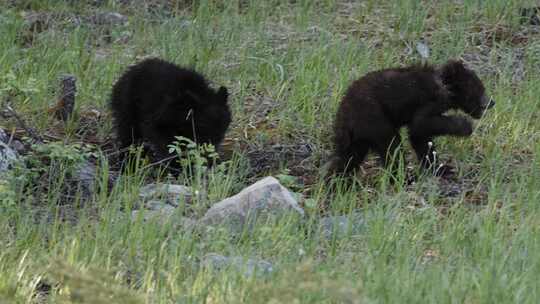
pixel 377 105
pixel 154 101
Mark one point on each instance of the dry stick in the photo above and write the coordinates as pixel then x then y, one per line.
pixel 37 138
pixel 67 97
pixel 11 136
pixel 159 162
pixel 117 152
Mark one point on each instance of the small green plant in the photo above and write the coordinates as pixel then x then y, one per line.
pixel 8 197
pixel 54 157
pixel 46 168
pixel 192 156
pixel 290 181
pixel 201 169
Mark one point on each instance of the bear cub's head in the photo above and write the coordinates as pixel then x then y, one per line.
pixel 218 109
pixel 211 112
pixel 467 92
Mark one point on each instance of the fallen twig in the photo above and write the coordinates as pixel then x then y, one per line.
pixel 66 102
pixel 33 134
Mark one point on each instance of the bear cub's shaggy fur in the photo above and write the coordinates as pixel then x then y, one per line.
pixel 377 105
pixel 154 101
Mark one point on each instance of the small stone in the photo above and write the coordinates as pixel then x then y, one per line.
pixel 265 197
pixel 341 225
pixel 157 205
pixel 110 18
pixel 423 50
pixel 248 266
pixel 162 215
pixel 18 146
pixel 185 24
pixel 172 194
pixel 86 176
pixel 3 136
pixel 7 154
pixel 7 157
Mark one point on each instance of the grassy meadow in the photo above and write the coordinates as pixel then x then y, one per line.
pixel 474 238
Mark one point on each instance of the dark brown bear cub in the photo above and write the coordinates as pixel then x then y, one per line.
pixel 377 105
pixel 154 101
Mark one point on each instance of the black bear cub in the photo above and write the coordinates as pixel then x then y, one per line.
pixel 154 101
pixel 377 105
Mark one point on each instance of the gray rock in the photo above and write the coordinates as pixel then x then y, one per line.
pixel 18 146
pixel 185 24
pixel 162 214
pixel 185 223
pixel 7 154
pixel 172 194
pixel 157 205
pixel 85 175
pixel 338 226
pixel 248 266
pixel 7 157
pixel 15 145
pixel 422 49
pixel 110 18
pixel 152 215
pixel 160 201
pixel 3 136
pixel 266 197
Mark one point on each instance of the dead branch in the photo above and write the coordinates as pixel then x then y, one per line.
pixel 20 122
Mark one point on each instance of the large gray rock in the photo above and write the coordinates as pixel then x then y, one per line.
pixel 248 266
pixel 266 197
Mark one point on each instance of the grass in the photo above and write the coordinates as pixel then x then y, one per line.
pixel 287 64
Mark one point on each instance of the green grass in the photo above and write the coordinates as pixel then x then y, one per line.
pixel 482 246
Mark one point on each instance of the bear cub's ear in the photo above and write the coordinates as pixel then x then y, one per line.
pixel 452 70
pixel 222 95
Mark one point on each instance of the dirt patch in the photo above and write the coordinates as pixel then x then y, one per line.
pixel 103 25
pixel 259 139
pixel 490 36
pixel 268 158
pixel 495 48
pixel 258 107
pixel 492 61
